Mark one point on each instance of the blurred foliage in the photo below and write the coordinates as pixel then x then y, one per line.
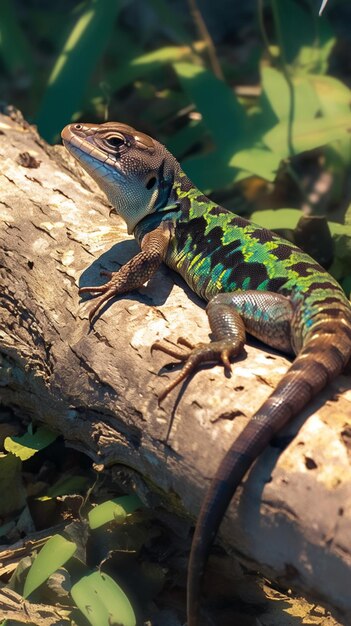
pixel 79 562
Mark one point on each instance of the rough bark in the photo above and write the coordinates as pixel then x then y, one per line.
pixel 99 386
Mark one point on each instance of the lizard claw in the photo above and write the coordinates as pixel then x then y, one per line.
pixel 225 355
pixel 107 295
pixel 107 291
pixel 216 351
pixel 183 341
pixel 189 367
pixel 168 347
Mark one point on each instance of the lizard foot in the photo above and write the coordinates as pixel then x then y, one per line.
pixel 108 290
pixel 193 356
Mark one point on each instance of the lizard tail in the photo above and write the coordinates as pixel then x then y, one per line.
pixel 322 358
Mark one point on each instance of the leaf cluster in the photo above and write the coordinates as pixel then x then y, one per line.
pixel 83 567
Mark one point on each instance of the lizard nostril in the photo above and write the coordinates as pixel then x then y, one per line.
pixel 78 126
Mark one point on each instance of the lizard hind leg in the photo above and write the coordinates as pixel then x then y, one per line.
pixel 265 315
pixel 228 332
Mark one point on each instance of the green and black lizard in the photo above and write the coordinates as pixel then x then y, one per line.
pixel 252 279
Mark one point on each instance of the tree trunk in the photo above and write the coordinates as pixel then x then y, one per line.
pixel 99 386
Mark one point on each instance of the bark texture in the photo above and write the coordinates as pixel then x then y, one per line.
pixel 99 386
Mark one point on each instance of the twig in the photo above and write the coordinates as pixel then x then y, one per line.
pixel 205 35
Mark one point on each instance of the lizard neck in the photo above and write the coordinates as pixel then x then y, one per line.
pixel 176 196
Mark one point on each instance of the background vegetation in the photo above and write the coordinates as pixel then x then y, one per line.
pixel 254 100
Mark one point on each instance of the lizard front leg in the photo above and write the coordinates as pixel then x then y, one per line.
pixel 265 315
pixel 136 272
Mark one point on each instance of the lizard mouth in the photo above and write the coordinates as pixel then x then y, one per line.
pixel 81 141
pixel 102 164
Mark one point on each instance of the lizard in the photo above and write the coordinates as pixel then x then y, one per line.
pixel 253 280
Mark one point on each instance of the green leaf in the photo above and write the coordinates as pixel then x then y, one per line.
pixel 113 510
pixel 314 58
pixel 221 111
pixel 210 171
pixel 75 65
pixel 145 64
pixel 28 444
pixel 168 54
pixel 13 495
pixel 181 141
pixel 56 552
pixel 299 28
pixel 333 96
pixel 308 134
pixel 279 219
pixel 339 229
pixel 102 601
pixel 68 485
pixel 348 216
pixel 334 101
pixel 276 89
pixel 258 161
pixel 295 26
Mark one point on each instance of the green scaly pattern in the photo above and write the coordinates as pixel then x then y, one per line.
pixel 216 251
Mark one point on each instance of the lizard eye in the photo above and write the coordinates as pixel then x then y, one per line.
pixel 151 182
pixel 115 142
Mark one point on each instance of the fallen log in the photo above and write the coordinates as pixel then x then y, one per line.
pixel 99 386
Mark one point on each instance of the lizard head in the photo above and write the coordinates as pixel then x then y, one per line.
pixel 135 171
